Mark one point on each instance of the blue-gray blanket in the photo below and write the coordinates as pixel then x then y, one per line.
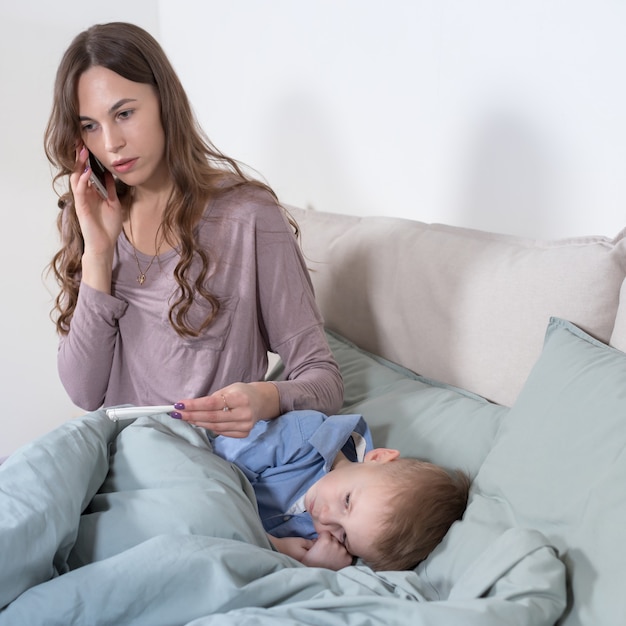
pixel 140 523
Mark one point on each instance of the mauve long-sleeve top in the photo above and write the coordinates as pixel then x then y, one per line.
pixel 122 349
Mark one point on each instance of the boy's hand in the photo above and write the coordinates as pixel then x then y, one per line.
pixel 327 551
pixel 295 547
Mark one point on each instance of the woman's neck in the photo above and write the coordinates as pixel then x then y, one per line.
pixel 143 226
pixel 151 200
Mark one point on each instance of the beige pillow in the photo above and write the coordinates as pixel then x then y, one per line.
pixel 618 336
pixel 465 307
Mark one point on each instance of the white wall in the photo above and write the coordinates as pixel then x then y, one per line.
pixel 507 116
pixel 503 115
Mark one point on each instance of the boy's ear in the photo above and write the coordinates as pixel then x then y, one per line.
pixel 381 455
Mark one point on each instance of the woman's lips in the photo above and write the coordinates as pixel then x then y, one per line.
pixel 123 166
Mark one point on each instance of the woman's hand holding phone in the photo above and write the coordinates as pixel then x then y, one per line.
pixel 100 221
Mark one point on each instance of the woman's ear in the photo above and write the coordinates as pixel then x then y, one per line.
pixel 381 455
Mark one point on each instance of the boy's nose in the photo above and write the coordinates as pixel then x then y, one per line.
pixel 329 523
pixel 324 515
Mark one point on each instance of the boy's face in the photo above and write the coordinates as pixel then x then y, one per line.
pixel 350 501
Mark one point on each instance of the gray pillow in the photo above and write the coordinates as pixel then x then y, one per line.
pixel 420 417
pixel 558 466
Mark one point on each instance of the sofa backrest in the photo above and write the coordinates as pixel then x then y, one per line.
pixel 462 306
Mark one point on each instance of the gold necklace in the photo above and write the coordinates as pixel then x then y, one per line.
pixel 141 279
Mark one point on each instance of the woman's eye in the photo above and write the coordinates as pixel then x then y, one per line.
pixel 347 502
pixel 87 128
pixel 123 115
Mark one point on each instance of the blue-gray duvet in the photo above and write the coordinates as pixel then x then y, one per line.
pixel 140 523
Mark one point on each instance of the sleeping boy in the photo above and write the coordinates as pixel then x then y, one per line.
pixel 326 496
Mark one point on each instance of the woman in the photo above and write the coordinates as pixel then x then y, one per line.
pixel 174 287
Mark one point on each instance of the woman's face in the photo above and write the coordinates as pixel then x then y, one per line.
pixel 121 124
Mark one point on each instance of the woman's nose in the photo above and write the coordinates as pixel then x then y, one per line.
pixel 113 140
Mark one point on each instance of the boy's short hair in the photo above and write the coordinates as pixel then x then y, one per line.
pixel 424 501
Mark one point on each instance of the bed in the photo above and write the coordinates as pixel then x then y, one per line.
pixel 498 355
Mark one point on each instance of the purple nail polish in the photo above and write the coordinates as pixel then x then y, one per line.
pixel 176 415
pixel 180 406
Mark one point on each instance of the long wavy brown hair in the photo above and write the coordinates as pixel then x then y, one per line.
pixel 199 171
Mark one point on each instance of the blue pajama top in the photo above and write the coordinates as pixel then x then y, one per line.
pixel 284 456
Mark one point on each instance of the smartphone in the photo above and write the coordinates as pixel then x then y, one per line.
pixel 97 176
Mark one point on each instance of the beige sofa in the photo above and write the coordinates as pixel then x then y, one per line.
pixel 500 355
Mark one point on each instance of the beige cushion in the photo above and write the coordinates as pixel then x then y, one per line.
pixel 465 307
pixel 618 336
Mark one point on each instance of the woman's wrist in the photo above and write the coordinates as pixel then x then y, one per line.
pixel 268 399
pixel 97 271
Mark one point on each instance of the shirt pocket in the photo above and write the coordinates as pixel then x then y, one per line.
pixel 214 336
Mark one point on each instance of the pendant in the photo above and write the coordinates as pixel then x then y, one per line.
pixel 141 279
